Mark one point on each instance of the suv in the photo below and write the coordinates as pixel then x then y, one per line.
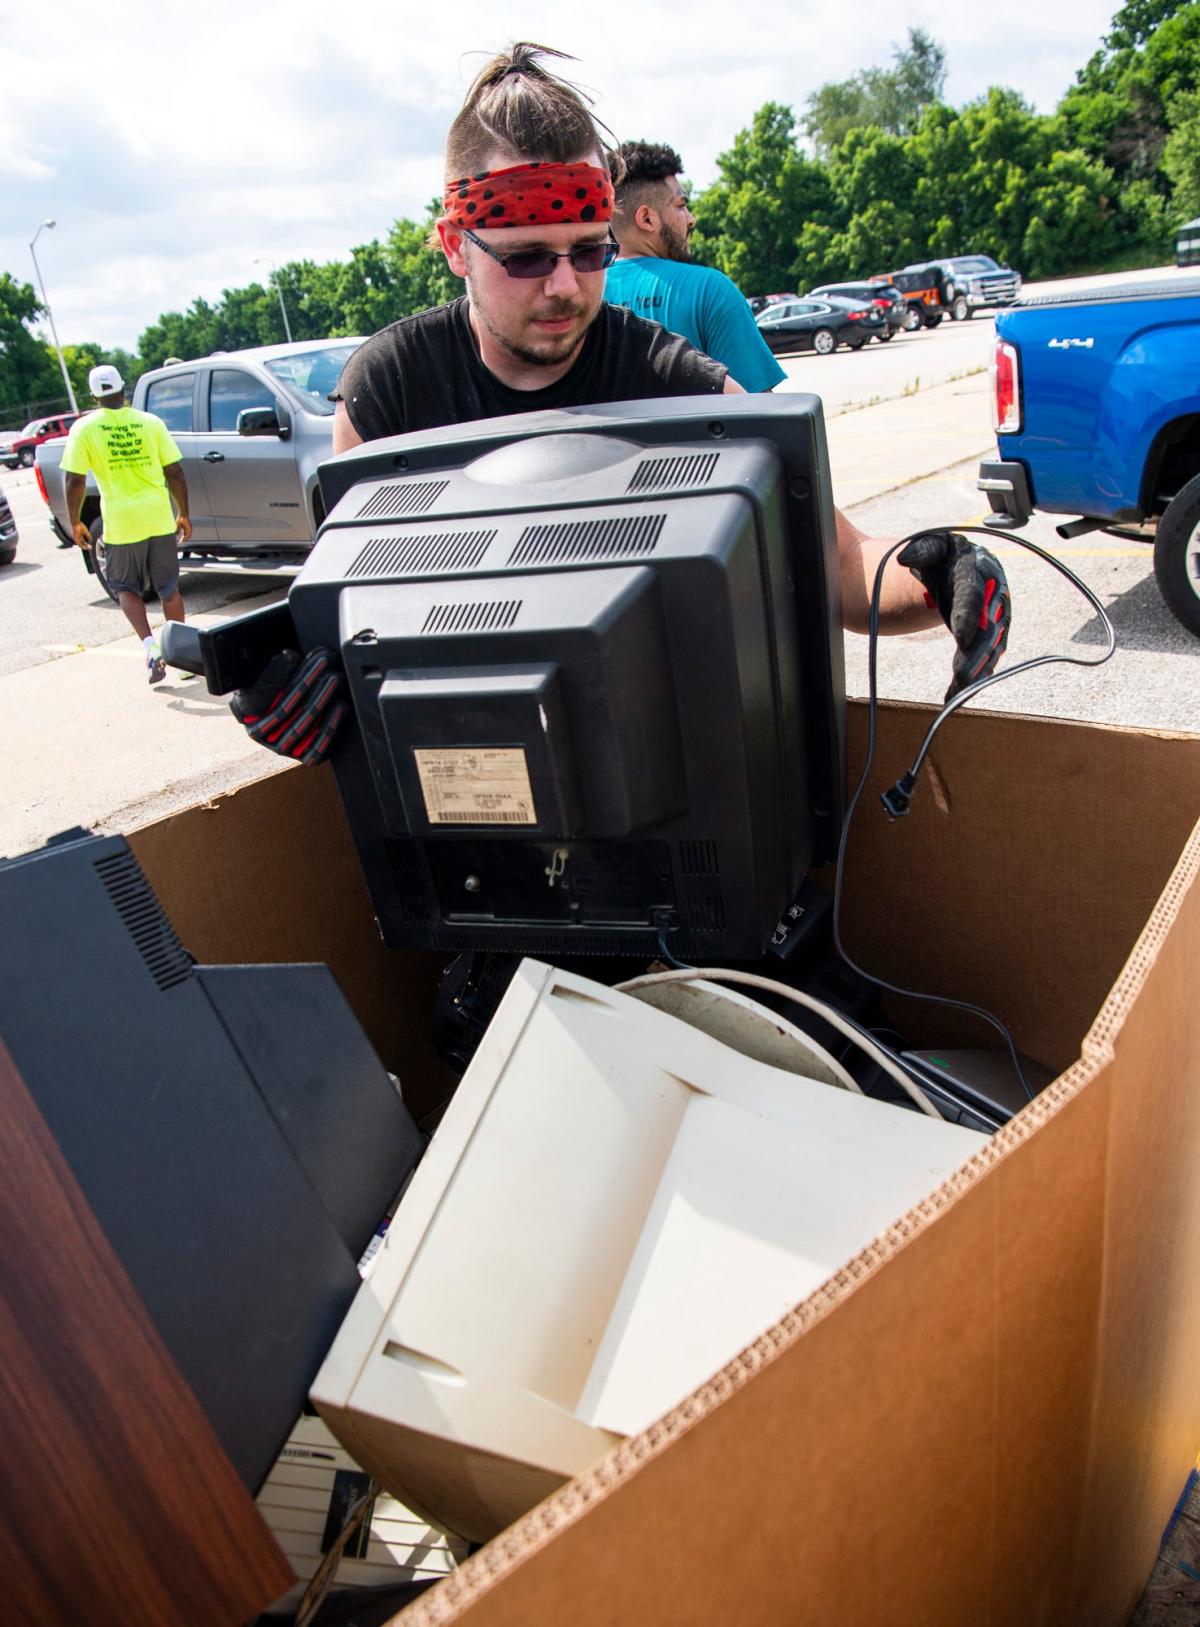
pixel 22 448
pixel 883 296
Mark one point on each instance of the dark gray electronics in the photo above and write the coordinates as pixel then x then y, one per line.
pixel 232 1129
pixel 595 661
pixel 978 1088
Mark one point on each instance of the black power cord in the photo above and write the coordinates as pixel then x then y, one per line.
pixel 897 799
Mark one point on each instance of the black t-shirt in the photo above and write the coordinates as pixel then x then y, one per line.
pixel 425 371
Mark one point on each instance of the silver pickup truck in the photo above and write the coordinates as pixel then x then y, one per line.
pixel 252 426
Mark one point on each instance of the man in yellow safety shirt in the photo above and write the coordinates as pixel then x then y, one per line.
pixel 139 471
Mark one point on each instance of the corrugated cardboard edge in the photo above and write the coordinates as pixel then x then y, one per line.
pixel 531 1534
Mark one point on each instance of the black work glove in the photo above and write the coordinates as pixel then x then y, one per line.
pixel 967 587
pixel 293 706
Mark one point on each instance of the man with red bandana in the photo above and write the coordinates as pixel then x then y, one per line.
pixel 531 238
pixel 528 203
pixel 527 209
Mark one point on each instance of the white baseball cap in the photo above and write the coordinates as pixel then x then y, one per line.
pixel 105 380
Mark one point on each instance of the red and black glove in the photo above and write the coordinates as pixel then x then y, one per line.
pixel 965 584
pixel 294 706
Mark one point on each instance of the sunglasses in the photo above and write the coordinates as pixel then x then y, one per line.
pixel 540 263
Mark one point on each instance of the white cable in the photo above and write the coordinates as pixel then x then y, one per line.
pixel 720 974
pixel 817 1054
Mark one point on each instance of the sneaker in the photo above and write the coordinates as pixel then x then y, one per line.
pixel 156 667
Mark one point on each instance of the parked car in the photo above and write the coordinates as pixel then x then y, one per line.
pixel 1187 244
pixel 759 302
pixel 21 448
pixel 252 426
pixel 820 324
pixel 8 532
pixel 888 299
pixel 1096 406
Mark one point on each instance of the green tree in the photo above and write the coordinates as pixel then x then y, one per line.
pixel 1121 110
pixel 422 276
pixel 749 221
pixel 28 368
pixel 1137 21
pixel 377 284
pixel 872 226
pixel 1181 154
pixel 890 99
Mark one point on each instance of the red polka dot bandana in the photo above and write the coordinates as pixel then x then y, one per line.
pixel 530 195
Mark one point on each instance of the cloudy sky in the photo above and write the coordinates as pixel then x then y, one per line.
pixel 173 145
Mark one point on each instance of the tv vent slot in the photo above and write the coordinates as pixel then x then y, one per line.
pixel 699 859
pixel 416 556
pixel 622 538
pixel 132 896
pixel 668 474
pixel 530 942
pixel 402 497
pixel 482 616
pixel 706 914
pixel 411 892
pixel 414 908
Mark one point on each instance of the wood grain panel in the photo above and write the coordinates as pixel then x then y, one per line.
pixel 118 1504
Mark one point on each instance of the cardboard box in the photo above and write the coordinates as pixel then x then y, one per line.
pixel 987 1417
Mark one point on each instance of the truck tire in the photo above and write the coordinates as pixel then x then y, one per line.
pixel 96 532
pixel 931 318
pixel 960 311
pixel 27 457
pixel 824 342
pixel 912 320
pixel 1177 556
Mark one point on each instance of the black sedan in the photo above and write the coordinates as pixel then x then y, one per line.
pixel 820 324
pixel 888 299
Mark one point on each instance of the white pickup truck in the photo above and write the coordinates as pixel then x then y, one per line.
pixel 253 426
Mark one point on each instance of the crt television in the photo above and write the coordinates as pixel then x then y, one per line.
pixel 595 659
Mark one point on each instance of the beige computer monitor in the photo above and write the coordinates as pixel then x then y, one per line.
pixel 614 1205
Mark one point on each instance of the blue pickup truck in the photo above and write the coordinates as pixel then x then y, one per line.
pixel 1096 407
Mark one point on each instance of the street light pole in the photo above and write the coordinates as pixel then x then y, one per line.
pixel 262 260
pixel 46 303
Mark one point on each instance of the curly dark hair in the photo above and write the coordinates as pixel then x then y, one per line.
pixel 649 161
pixel 646 165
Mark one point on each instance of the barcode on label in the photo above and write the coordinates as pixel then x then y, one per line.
pixel 484 785
pixel 483 819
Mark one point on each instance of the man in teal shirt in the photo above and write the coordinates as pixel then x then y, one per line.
pixel 657 279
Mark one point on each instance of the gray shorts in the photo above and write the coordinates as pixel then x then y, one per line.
pixel 135 566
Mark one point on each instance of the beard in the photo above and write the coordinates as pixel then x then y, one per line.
pixel 550 351
pixel 674 241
